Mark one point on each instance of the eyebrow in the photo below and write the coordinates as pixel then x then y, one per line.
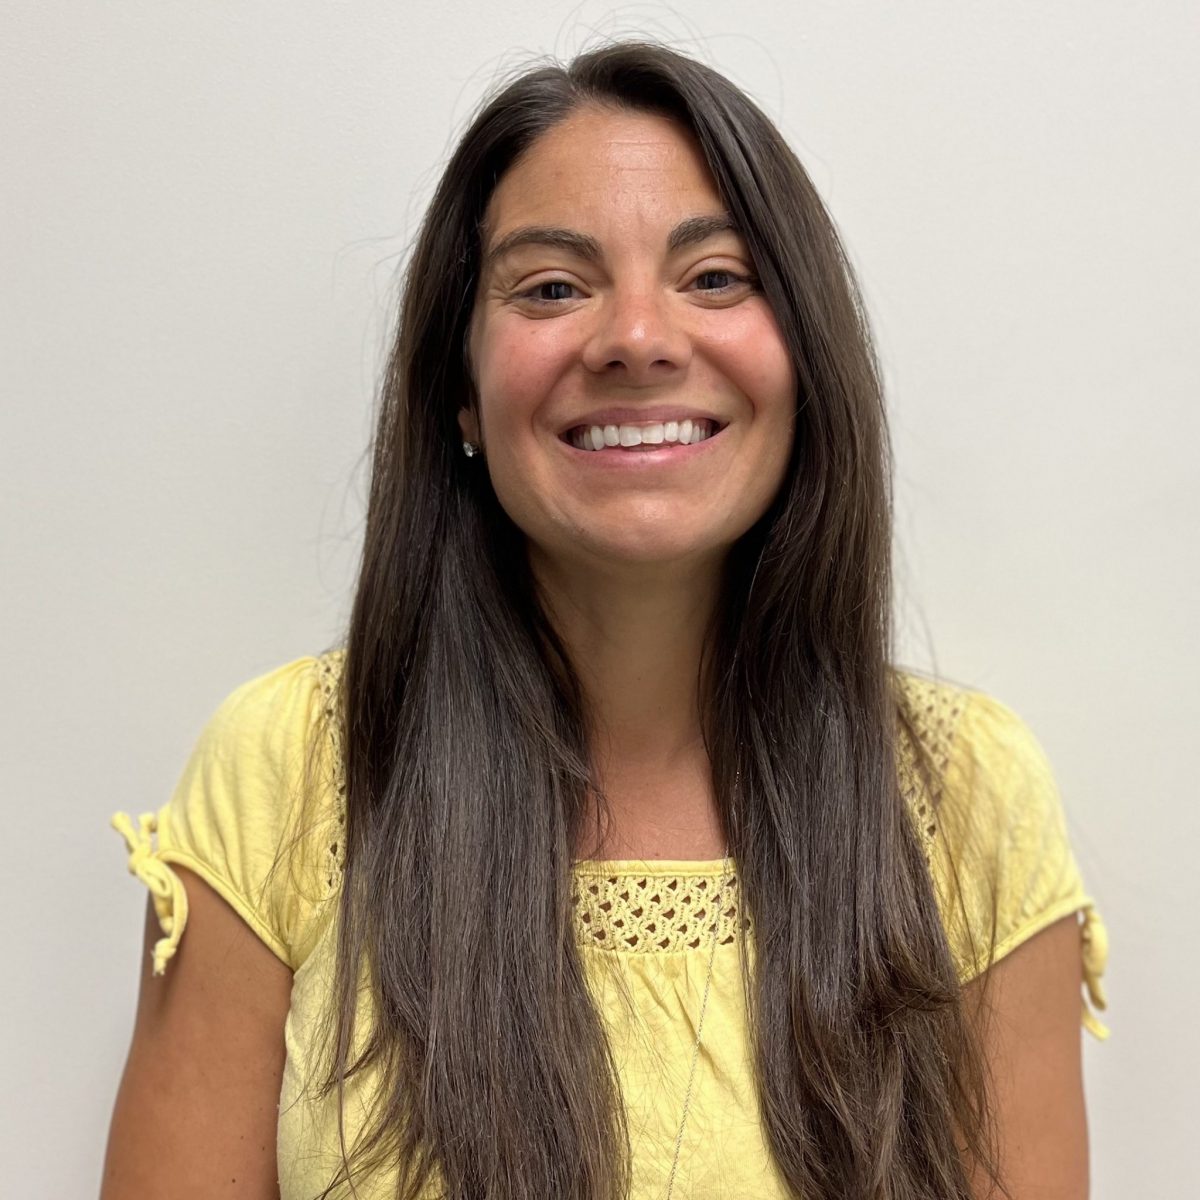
pixel 689 232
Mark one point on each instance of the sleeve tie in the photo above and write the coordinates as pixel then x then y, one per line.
pixel 1095 959
pixel 166 888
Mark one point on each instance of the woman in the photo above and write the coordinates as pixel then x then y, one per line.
pixel 612 855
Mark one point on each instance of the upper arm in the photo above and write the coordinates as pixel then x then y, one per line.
pixel 196 1112
pixel 1032 1039
pixel 238 865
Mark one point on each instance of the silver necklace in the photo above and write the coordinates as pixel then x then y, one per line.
pixel 687 1099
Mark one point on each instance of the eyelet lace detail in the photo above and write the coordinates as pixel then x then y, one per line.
pixel 329 669
pixel 654 911
pixel 647 911
pixel 935 709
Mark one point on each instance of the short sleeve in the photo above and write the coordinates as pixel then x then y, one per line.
pixel 230 817
pixel 1002 861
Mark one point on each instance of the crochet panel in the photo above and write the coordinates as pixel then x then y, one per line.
pixel 644 911
pixel 654 911
pixel 329 670
pixel 935 708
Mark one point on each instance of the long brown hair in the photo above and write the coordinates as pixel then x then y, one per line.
pixel 466 762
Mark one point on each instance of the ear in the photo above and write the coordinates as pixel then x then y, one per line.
pixel 468 425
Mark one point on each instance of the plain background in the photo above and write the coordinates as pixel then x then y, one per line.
pixel 205 212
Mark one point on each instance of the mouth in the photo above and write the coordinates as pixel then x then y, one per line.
pixel 645 437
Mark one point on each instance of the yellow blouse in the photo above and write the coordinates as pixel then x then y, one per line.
pixel 645 928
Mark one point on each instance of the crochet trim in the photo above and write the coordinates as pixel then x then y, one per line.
pixel 652 911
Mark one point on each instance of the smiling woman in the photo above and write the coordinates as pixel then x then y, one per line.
pixel 612 855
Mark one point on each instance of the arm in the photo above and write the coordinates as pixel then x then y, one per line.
pixel 1033 1043
pixel 195 1115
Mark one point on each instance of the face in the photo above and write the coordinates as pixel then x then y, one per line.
pixel 640 316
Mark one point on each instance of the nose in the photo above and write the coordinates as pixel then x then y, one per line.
pixel 639 335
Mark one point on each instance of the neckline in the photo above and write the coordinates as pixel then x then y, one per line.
pixel 653 866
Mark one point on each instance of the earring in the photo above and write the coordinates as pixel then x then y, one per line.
pixel 470 449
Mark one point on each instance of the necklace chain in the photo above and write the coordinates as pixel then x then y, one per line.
pixel 687 1098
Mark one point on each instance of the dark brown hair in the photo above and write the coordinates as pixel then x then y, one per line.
pixel 467 765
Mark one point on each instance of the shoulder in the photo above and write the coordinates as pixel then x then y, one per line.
pixel 991 769
pixel 262 745
pixel 271 715
pixel 255 811
pixel 999 849
pixel 1001 802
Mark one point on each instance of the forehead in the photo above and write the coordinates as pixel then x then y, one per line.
pixel 597 165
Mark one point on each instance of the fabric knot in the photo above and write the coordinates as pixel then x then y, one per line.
pixel 166 888
pixel 1095 959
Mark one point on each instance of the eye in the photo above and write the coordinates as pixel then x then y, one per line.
pixel 720 273
pixel 531 294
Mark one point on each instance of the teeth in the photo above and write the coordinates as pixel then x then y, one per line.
pixel 683 433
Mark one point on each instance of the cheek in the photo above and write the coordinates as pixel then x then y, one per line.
pixel 747 346
pixel 517 368
pixel 518 365
pixel 758 363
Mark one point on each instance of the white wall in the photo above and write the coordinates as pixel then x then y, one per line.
pixel 204 211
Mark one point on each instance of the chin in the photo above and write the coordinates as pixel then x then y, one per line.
pixel 655 548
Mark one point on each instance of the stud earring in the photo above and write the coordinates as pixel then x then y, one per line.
pixel 470 449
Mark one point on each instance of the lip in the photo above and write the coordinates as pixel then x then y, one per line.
pixel 614 458
pixel 660 413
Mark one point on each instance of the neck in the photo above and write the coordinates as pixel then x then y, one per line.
pixel 634 634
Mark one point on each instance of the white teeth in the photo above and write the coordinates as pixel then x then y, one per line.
pixel 682 433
